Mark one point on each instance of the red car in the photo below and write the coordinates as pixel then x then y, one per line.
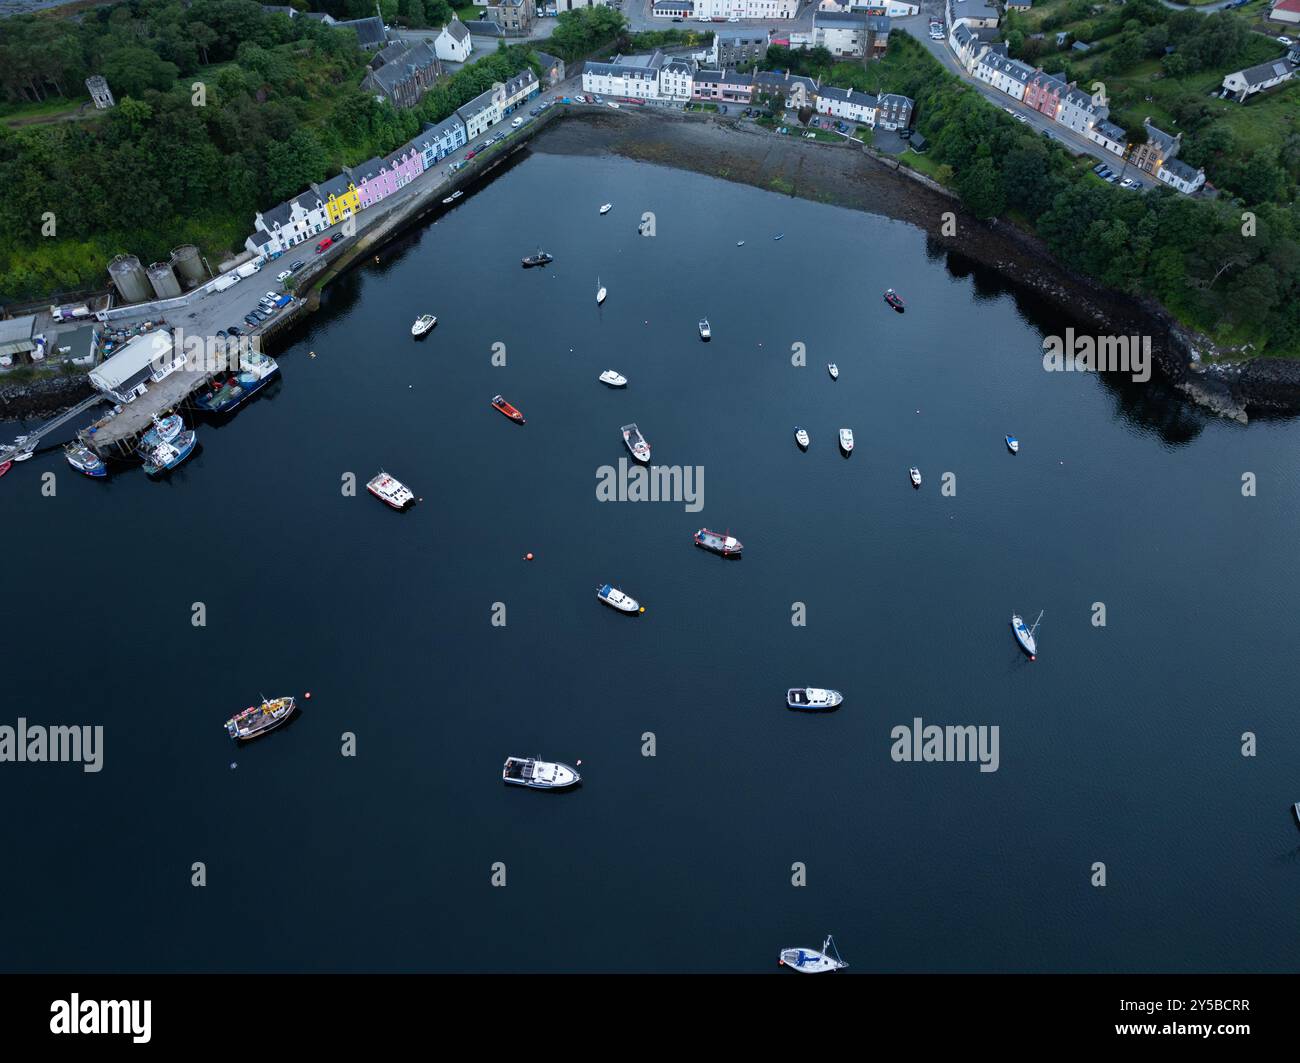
pixel 325 244
pixel 470 154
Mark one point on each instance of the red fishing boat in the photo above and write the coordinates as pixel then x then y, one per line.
pixel 5 466
pixel 891 297
pixel 507 409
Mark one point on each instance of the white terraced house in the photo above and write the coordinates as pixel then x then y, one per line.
pixel 629 77
pixel 676 79
pixel 848 104
pixel 1109 136
pixel 483 111
pixel 1080 112
pixel 746 8
pixel 1004 74
pixel 1177 174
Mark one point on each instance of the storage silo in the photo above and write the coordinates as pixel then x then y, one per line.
pixel 130 279
pixel 164 281
pixel 189 265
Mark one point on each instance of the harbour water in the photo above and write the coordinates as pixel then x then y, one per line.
pixel 1120 745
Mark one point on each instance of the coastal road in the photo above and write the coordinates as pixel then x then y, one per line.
pixel 639 18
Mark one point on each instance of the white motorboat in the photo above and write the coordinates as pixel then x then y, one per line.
pixel 600 292
pixel 813 698
pixel 612 596
pixel 810 961
pixel 22 453
pixel 915 475
pixel 846 440
pixel 613 378
pixel 539 774
pixel 1013 444
pixel 454 196
pixel 636 442
pixel 834 370
pixel 706 333
pixel 390 490
pixel 1025 635
pixel 606 208
pixel 422 324
pixel 801 437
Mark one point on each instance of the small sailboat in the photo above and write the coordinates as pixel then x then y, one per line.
pixel 499 403
pixel 168 428
pixel 605 208
pixel 915 474
pixel 615 598
pixel 1025 635
pixel 539 774
pixel 422 325
pixel 801 437
pixel 85 461
pixel 846 440
pixel 834 370
pixel 1013 444
pixel 600 292
pixel 390 490
pixel 894 300
pixel 813 698
pixel 810 961
pixel 613 378
pixel 706 333
pixel 636 442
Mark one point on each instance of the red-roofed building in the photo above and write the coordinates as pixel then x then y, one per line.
pixel 1286 11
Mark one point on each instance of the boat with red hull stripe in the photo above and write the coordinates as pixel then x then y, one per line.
pixel 507 409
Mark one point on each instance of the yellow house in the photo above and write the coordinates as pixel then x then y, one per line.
pixel 340 197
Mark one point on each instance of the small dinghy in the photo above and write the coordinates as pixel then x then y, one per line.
pixel 801 437
pixel 779 236
pixel 1295 811
pixel 538 774
pixel 454 196
pixel 706 333
pixel 85 461
pixel 613 379
pixel 600 292
pixel 1025 635
pixel 422 325
pixel 810 961
pixel 915 474
pixel 893 299
pixel 616 599
pixel 846 440
pixel 606 208
pixel 813 698
pixel 834 370
pixel 1013 444
pixel 740 243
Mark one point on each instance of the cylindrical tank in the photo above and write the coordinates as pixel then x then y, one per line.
pixel 164 280
pixel 130 279
pixel 189 265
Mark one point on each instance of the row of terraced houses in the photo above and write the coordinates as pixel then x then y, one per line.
pixel 364 186
pixel 974 42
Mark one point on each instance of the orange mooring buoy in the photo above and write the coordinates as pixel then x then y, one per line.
pixel 307 696
pixel 528 556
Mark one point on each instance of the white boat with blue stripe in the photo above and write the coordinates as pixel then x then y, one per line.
pixel 810 961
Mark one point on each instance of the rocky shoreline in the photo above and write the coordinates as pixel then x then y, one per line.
pixel 42 397
pixel 849 177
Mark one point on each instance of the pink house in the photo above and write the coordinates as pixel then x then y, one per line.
pixel 377 179
pixel 1043 92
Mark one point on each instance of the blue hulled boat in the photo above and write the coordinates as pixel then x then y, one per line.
pixel 162 456
pixel 232 391
pixel 85 461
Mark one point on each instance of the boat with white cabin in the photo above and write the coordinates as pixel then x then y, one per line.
pixel 538 774
pixel 615 598
pixel 1013 444
pixel 600 292
pixel 390 490
pixel 1025 635
pixel 636 442
pixel 85 461
pixel 169 427
pixel 605 208
pixel 834 370
pixel 813 698
pixel 846 440
pixel 613 378
pixel 801 437
pixel 257 720
pixel 422 325
pixel 811 961
pixel 915 475
pixel 706 333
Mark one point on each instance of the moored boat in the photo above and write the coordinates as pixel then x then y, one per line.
pixel 390 490
pixel 834 370
pixel 606 208
pixel 162 456
pixel 539 259
pixel 422 324
pixel 636 442
pixel 23 452
pixel 706 333
pixel 256 720
pixel 1013 444
pixel 454 196
pixel 915 475
pixel 600 292
pixel 1295 811
pixel 846 440
pixel 811 961
pixel 779 236
pixel 499 403
pixel 724 544
pixel 613 378
pixel 893 299
pixel 801 437
pixel 232 390
pixel 1025 635
pixel 169 427
pixel 612 596
pixel 538 774
pixel 85 461
pixel 813 698
pixel 5 466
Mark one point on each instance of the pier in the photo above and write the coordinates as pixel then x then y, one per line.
pixel 116 434
pixel 34 438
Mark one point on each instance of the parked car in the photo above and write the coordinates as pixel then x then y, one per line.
pixel 722 109
pixel 296 265
pixel 251 321
pixel 1284 40
pixel 535 112
pixel 234 330
pixel 1020 117
pixel 283 276
pixel 325 245
pixel 1126 183
pixel 222 333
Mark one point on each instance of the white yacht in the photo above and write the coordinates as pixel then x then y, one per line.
pixel 1025 635
pixel 422 324
pixel 915 475
pixel 813 698
pixel 801 437
pixel 810 961
pixel 600 292
pixel 390 490
pixel 606 208
pixel 846 440
pixel 613 378
pixel 539 774
pixel 706 333
pixel 636 442
pixel 612 596
pixel 834 371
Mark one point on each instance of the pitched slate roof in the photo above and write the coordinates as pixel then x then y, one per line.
pixel 444 128
pixel 484 28
pixel 370 31
pixel 1256 75
pixel 783 82
pixel 523 80
pixel 457 29
pixel 1159 136
pixel 849 96
pixel 280 214
pixel 335 186
pixel 1181 170
pixel 477 105
pixel 1110 131
pixel 366 171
